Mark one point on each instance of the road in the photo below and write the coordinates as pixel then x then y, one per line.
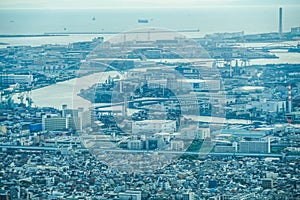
pixel 12 147
pixel 36 148
pixel 196 153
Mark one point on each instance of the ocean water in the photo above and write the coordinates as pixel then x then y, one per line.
pixel 207 20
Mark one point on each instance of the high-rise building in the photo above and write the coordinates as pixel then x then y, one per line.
pixel 177 145
pixel 54 123
pixel 135 145
pixel 10 79
pixel 130 195
pixel 76 119
pixel 151 144
pixel 254 146
pixel 202 133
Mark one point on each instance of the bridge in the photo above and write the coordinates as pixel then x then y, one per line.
pixel 147 101
pixel 273 46
pixel 143 101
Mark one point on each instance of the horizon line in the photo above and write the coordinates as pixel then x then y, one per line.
pixel 150 7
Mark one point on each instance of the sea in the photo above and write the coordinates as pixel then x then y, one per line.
pixel 255 19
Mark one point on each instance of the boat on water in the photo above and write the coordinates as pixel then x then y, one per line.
pixel 143 21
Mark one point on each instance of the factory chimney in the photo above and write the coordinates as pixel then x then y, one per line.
pixel 289 98
pixel 280 21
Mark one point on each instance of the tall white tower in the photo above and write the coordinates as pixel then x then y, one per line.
pixel 289 98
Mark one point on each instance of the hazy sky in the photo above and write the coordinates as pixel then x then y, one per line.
pixel 98 4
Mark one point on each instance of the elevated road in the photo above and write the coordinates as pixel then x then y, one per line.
pixel 34 148
pixel 196 153
pixel 37 148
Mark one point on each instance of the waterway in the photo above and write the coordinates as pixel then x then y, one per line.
pixel 66 92
pixel 284 58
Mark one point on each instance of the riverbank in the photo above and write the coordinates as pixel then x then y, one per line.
pixel 65 92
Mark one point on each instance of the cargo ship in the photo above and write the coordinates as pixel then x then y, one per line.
pixel 143 21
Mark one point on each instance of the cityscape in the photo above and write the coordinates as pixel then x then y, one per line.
pixel 150 112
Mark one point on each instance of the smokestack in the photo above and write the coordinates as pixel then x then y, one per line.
pixel 280 21
pixel 290 98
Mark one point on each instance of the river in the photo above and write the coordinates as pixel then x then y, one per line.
pixel 66 92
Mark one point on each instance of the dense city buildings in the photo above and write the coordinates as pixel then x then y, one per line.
pixel 152 114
